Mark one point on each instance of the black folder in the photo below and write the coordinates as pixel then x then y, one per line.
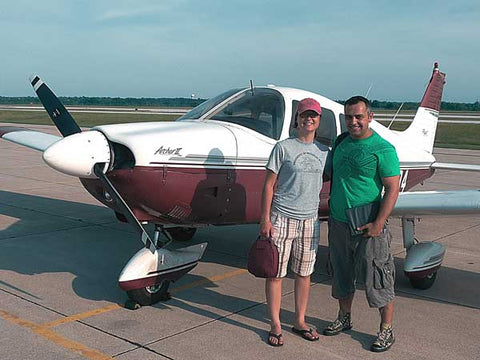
pixel 361 215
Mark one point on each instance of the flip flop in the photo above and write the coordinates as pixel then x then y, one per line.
pixel 305 334
pixel 276 336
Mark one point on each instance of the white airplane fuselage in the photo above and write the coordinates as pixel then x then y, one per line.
pixel 208 171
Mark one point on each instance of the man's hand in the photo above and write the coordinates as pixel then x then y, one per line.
pixel 266 228
pixel 375 228
pixel 372 229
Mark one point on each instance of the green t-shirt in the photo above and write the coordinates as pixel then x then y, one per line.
pixel 358 166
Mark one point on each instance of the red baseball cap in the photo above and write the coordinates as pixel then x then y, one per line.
pixel 309 104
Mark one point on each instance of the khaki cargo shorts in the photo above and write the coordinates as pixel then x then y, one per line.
pixel 366 260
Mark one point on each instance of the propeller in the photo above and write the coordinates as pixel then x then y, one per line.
pixel 83 154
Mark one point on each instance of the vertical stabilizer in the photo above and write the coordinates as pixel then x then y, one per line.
pixel 424 126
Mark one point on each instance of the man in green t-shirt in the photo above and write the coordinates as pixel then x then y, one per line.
pixel 361 165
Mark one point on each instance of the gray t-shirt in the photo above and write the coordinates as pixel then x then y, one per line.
pixel 299 169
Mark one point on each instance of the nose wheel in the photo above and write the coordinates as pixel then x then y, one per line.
pixel 151 294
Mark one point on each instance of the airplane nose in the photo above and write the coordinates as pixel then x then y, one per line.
pixel 77 154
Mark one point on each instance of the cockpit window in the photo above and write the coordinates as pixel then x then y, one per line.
pixel 262 111
pixel 200 110
pixel 326 132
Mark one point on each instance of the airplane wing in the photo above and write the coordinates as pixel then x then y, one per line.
pixel 30 138
pixel 453 166
pixel 452 202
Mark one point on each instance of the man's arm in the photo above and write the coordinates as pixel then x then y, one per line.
pixel 392 188
pixel 267 196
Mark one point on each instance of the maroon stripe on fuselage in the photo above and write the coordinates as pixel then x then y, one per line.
pixel 417 176
pixel 229 166
pixel 189 195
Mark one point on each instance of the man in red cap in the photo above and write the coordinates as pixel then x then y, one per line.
pixel 289 215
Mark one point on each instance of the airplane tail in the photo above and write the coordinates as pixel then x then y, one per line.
pixel 424 125
pixel 55 109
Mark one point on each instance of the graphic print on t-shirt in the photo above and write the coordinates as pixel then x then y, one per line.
pixel 308 162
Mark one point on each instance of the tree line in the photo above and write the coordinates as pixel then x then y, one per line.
pixel 450 106
pixel 106 101
pixel 190 103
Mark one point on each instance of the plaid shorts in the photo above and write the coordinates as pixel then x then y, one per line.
pixel 298 237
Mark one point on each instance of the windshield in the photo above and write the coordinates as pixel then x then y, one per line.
pixel 262 111
pixel 200 110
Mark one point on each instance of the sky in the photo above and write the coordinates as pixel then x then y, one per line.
pixel 176 48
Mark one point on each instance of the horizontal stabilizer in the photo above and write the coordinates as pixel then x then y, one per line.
pixel 452 166
pixel 420 203
pixel 30 138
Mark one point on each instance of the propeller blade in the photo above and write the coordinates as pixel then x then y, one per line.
pixel 147 241
pixel 55 109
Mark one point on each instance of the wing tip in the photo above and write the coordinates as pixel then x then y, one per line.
pixel 8 129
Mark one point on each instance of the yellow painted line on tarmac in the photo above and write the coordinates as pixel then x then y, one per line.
pixel 108 308
pixel 83 315
pixel 209 280
pixel 52 336
pixel 46 332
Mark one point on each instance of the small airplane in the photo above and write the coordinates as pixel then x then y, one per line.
pixel 208 167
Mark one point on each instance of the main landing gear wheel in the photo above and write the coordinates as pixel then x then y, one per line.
pixel 181 233
pixel 424 283
pixel 151 294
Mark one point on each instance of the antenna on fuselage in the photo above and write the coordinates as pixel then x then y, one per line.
pixel 251 87
pixel 368 91
pixel 394 116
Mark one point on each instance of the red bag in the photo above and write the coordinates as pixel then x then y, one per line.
pixel 263 258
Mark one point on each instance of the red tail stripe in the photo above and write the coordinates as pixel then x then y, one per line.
pixel 433 95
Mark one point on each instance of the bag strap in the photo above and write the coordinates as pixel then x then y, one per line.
pixel 340 138
pixel 337 142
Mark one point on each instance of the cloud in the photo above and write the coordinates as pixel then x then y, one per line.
pixel 129 13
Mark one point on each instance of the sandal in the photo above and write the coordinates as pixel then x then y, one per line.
pixel 276 336
pixel 306 334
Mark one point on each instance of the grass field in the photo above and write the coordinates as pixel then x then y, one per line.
pixel 82 119
pixel 458 136
pixel 462 136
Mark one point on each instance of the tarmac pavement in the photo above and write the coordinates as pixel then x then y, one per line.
pixel 61 253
